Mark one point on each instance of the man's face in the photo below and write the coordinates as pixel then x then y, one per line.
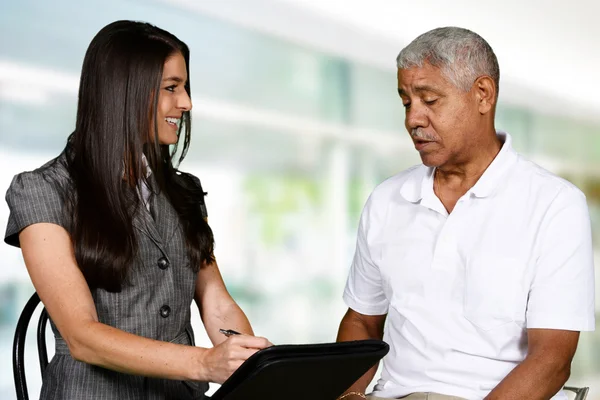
pixel 442 119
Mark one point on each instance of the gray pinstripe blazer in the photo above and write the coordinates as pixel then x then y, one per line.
pixel 156 305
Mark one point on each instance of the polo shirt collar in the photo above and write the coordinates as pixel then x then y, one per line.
pixel 492 176
pixel 419 186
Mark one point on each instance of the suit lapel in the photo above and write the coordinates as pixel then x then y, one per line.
pixel 148 224
pixel 142 220
pixel 162 223
pixel 167 220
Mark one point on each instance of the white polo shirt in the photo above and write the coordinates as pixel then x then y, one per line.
pixel 460 290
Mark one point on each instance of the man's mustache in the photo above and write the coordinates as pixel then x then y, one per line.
pixel 419 133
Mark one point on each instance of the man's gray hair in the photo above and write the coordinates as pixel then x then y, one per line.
pixel 462 55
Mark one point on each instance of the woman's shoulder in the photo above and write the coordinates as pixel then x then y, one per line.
pixel 37 196
pixel 51 175
pixel 190 183
pixel 188 178
pixel 193 193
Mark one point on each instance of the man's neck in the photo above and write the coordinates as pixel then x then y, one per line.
pixel 464 175
pixel 451 182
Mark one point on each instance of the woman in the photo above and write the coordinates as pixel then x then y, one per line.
pixel 115 238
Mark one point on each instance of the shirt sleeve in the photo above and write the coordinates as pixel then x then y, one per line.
pixel 562 292
pixel 364 291
pixel 202 202
pixel 32 199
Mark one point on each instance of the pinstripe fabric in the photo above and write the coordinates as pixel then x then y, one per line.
pixel 32 198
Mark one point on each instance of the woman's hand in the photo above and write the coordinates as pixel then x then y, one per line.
pixel 219 362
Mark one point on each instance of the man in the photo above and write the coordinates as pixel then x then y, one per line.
pixel 478 261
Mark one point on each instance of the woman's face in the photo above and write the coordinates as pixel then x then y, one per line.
pixel 173 100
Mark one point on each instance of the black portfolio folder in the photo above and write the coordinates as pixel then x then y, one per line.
pixel 308 371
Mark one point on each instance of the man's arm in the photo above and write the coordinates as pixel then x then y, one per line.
pixel 560 303
pixel 356 326
pixel 544 371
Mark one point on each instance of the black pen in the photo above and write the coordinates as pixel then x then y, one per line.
pixel 229 332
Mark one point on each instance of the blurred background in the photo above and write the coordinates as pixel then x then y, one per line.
pixel 296 120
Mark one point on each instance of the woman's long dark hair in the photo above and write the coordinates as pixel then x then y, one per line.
pixel 117 108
